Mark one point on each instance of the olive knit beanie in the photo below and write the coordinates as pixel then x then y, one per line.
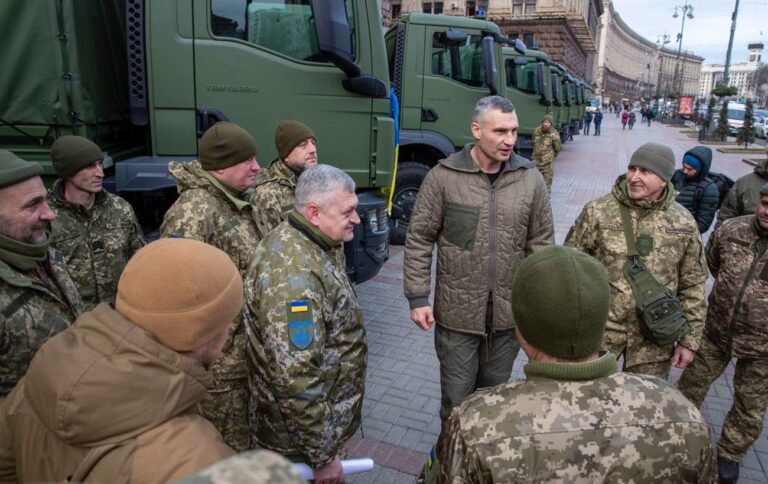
pixel 14 170
pixel 183 291
pixel 289 134
pixel 764 189
pixel 655 157
pixel 70 154
pixel 560 300
pixel 548 117
pixel 225 144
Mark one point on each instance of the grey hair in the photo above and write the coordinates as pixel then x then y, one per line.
pixel 489 103
pixel 319 181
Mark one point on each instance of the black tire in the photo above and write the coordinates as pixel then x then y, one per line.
pixel 410 175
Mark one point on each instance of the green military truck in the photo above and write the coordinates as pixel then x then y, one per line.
pixel 439 66
pixel 145 78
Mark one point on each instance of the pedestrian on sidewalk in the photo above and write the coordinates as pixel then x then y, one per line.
pixel 598 119
pixel 574 418
pixel 587 121
pixel 632 119
pixel 696 192
pixel 546 146
pixel 639 231
pixel 736 328
pixel 649 116
pixel 624 119
pixel 486 209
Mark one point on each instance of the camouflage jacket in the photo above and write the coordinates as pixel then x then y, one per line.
pixel 307 345
pixel 273 194
pixel 576 423
pixel 96 243
pixel 676 259
pixel 737 318
pixel 254 466
pixel 546 145
pixel 744 194
pixel 32 312
pixel 206 211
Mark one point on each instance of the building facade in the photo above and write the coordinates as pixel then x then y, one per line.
pixel 631 67
pixel 740 75
pixel 567 30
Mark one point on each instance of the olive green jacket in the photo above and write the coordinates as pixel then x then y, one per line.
pixel 744 194
pixel 482 233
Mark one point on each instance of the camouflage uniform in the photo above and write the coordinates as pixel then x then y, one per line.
pixel 546 146
pixel 576 423
pixel 33 310
pixel 96 242
pixel 736 328
pixel 207 211
pixel 260 466
pixel 307 345
pixel 676 260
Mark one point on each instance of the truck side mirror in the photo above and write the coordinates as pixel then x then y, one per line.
pixel 334 36
pixel 543 84
pixel 520 46
pixel 453 37
pixel 489 61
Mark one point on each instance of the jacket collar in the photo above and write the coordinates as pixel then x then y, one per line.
pixel 591 370
pixel 300 223
pixel 57 197
pixel 619 192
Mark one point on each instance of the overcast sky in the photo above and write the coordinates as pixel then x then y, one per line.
pixel 707 33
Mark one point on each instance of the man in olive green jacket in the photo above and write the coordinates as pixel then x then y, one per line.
pixel 487 209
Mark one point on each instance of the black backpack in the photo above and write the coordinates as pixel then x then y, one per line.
pixel 721 181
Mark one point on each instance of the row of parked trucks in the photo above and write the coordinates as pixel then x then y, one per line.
pixel 145 78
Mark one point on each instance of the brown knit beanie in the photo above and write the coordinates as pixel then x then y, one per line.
pixel 70 154
pixel 560 300
pixel 655 157
pixel 225 144
pixel 14 170
pixel 548 117
pixel 183 291
pixel 289 134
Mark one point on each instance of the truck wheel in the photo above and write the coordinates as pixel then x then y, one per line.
pixel 409 178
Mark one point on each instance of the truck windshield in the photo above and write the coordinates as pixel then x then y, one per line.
pixel 523 78
pixel 462 63
pixel 736 114
pixel 283 26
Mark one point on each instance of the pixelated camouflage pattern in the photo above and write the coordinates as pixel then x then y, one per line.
pixel 546 146
pixel 676 260
pixel 738 302
pixel 96 243
pixel 744 194
pixel 31 311
pixel 260 466
pixel 206 211
pixel 615 428
pixel 273 194
pixel 744 421
pixel 305 404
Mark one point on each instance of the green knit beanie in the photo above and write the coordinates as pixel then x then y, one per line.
pixel 548 117
pixel 655 157
pixel 764 189
pixel 289 134
pixel 225 144
pixel 14 170
pixel 560 300
pixel 70 154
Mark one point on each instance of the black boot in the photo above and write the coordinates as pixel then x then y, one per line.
pixel 727 471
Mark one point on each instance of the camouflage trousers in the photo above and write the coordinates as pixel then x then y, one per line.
pixel 471 361
pixel 226 406
pixel 744 422
pixel 547 168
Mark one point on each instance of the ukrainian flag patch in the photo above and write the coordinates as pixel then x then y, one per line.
pixel 299 306
pixel 301 325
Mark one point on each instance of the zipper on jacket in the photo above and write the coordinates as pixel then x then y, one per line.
pixel 747 279
pixel 492 233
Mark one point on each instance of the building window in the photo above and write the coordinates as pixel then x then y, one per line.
pixel 752 58
pixel 520 7
pixel 395 11
pixel 426 7
pixel 528 39
pixel 470 12
pixel 438 7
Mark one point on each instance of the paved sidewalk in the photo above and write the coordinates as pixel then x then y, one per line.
pixel 400 411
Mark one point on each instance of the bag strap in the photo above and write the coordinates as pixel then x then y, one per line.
pixel 626 220
pixel 91 459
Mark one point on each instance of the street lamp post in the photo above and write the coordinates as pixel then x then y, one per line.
pixel 661 42
pixel 687 11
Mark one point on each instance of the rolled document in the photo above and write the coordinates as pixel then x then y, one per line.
pixel 350 466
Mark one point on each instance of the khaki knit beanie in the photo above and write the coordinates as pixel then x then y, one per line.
pixel 70 154
pixel 225 144
pixel 548 117
pixel 655 157
pixel 289 134
pixel 560 300
pixel 183 291
pixel 14 170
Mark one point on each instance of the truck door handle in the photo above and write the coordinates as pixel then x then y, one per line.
pixel 428 115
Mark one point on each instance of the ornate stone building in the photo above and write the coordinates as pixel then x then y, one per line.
pixel 567 30
pixel 740 75
pixel 631 67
